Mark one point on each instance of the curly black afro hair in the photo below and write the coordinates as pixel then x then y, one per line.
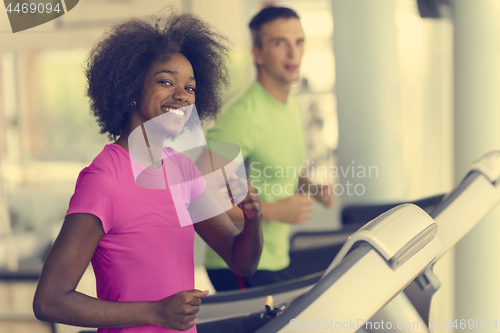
pixel 118 64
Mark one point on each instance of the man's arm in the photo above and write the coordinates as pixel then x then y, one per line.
pixel 322 193
pixel 296 209
pixel 57 301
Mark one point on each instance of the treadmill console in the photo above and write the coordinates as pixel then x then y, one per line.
pixel 392 234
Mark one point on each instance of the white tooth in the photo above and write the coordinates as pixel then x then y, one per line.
pixel 176 111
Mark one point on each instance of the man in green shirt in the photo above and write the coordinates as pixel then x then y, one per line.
pixel 266 123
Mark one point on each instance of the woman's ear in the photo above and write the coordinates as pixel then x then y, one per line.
pixel 133 106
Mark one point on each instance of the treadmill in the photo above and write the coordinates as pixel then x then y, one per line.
pixel 398 245
pixel 456 215
pixel 323 245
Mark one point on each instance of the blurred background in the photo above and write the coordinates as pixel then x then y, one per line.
pixel 408 87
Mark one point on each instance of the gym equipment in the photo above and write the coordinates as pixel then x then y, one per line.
pixel 374 248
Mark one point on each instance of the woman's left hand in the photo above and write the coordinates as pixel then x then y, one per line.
pixel 251 205
pixel 246 197
pixel 240 248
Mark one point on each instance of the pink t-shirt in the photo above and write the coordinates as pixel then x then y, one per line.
pixel 145 254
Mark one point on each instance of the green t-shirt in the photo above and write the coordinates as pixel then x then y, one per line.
pixel 270 135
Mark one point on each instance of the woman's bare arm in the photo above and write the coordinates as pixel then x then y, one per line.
pixel 57 301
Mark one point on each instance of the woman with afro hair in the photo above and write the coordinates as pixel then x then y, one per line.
pixel 142 71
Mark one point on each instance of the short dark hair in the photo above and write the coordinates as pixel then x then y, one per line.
pixel 266 15
pixel 118 64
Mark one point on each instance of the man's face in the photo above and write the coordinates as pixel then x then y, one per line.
pixel 282 47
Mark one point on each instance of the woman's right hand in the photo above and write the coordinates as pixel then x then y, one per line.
pixel 178 311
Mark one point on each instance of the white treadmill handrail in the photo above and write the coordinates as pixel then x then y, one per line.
pixel 488 165
pixel 335 297
pixel 395 234
pixel 466 205
pixel 469 202
pixel 343 303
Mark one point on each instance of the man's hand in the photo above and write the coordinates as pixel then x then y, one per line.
pixel 296 209
pixel 178 311
pixel 325 195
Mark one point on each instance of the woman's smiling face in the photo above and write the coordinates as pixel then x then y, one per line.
pixel 168 91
